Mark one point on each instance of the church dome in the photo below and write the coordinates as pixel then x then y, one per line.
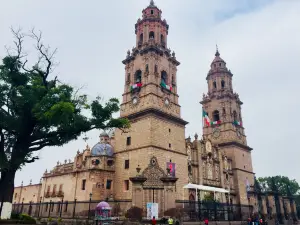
pixel 104 134
pixel 102 149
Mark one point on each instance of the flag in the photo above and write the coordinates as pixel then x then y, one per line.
pixel 164 85
pixel 215 122
pixel 134 86
pixel 237 123
pixel 205 118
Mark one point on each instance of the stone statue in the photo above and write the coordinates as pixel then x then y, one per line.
pixel 225 163
pixel 209 171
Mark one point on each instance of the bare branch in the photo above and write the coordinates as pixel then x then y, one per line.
pixel 46 54
pixel 19 36
pixel 33 159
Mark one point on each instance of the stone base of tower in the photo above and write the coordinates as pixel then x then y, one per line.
pixel 157 188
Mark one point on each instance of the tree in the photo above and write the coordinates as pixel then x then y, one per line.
pixel 280 184
pixel 38 111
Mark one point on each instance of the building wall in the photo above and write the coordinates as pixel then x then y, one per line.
pixel 26 194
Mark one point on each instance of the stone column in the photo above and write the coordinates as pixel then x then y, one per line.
pixel 169 192
pixel 137 188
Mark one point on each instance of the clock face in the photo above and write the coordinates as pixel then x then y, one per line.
pixel 134 100
pixel 216 133
pixel 208 146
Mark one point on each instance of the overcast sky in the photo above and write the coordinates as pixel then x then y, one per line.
pixel 259 40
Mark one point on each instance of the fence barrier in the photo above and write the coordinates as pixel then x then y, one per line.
pixel 69 210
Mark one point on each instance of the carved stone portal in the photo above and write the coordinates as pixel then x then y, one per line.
pixel 153 173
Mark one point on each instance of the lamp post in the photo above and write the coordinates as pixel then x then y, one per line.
pixel 74 209
pixel 90 206
pixel 40 206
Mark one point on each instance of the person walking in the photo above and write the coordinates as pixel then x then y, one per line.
pixel 153 222
pixel 206 221
pixel 170 221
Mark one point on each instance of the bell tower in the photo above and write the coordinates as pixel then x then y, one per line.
pixel 150 102
pixel 223 124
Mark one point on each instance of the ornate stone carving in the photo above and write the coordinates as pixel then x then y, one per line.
pixel 153 173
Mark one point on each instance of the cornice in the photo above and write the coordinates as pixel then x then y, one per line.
pixel 246 171
pixel 150 146
pixel 157 113
pixel 244 147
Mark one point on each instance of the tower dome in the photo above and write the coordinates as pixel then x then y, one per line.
pixel 102 149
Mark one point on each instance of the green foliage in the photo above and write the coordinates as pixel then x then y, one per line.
pixel 50 219
pixel 15 216
pixel 59 220
pixel 281 184
pixel 37 110
pixel 27 218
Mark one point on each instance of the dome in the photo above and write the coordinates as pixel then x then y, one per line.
pixel 104 134
pixel 102 149
pixel 102 205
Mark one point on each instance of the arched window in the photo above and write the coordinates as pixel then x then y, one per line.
pixel 215 84
pixel 189 169
pixel 141 38
pixel 162 39
pixel 138 76
pixel 164 77
pixel 223 84
pixel 235 116
pixel 173 80
pixel 216 116
pixel 151 35
pixel 147 68
pixel 155 69
pixel 224 111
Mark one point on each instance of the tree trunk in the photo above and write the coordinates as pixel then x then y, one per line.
pixel 6 193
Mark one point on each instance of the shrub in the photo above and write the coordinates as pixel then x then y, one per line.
pixel 50 219
pixel 59 220
pixel 27 219
pixel 134 214
pixel 15 216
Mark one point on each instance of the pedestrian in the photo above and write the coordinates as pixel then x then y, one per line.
pixel 206 221
pixel 153 222
pixel 170 221
pixel 249 221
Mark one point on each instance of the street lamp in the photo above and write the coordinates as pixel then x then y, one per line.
pixel 90 205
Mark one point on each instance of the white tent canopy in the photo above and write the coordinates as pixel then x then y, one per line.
pixel 205 188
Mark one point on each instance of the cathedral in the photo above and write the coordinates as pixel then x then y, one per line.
pixel 154 161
